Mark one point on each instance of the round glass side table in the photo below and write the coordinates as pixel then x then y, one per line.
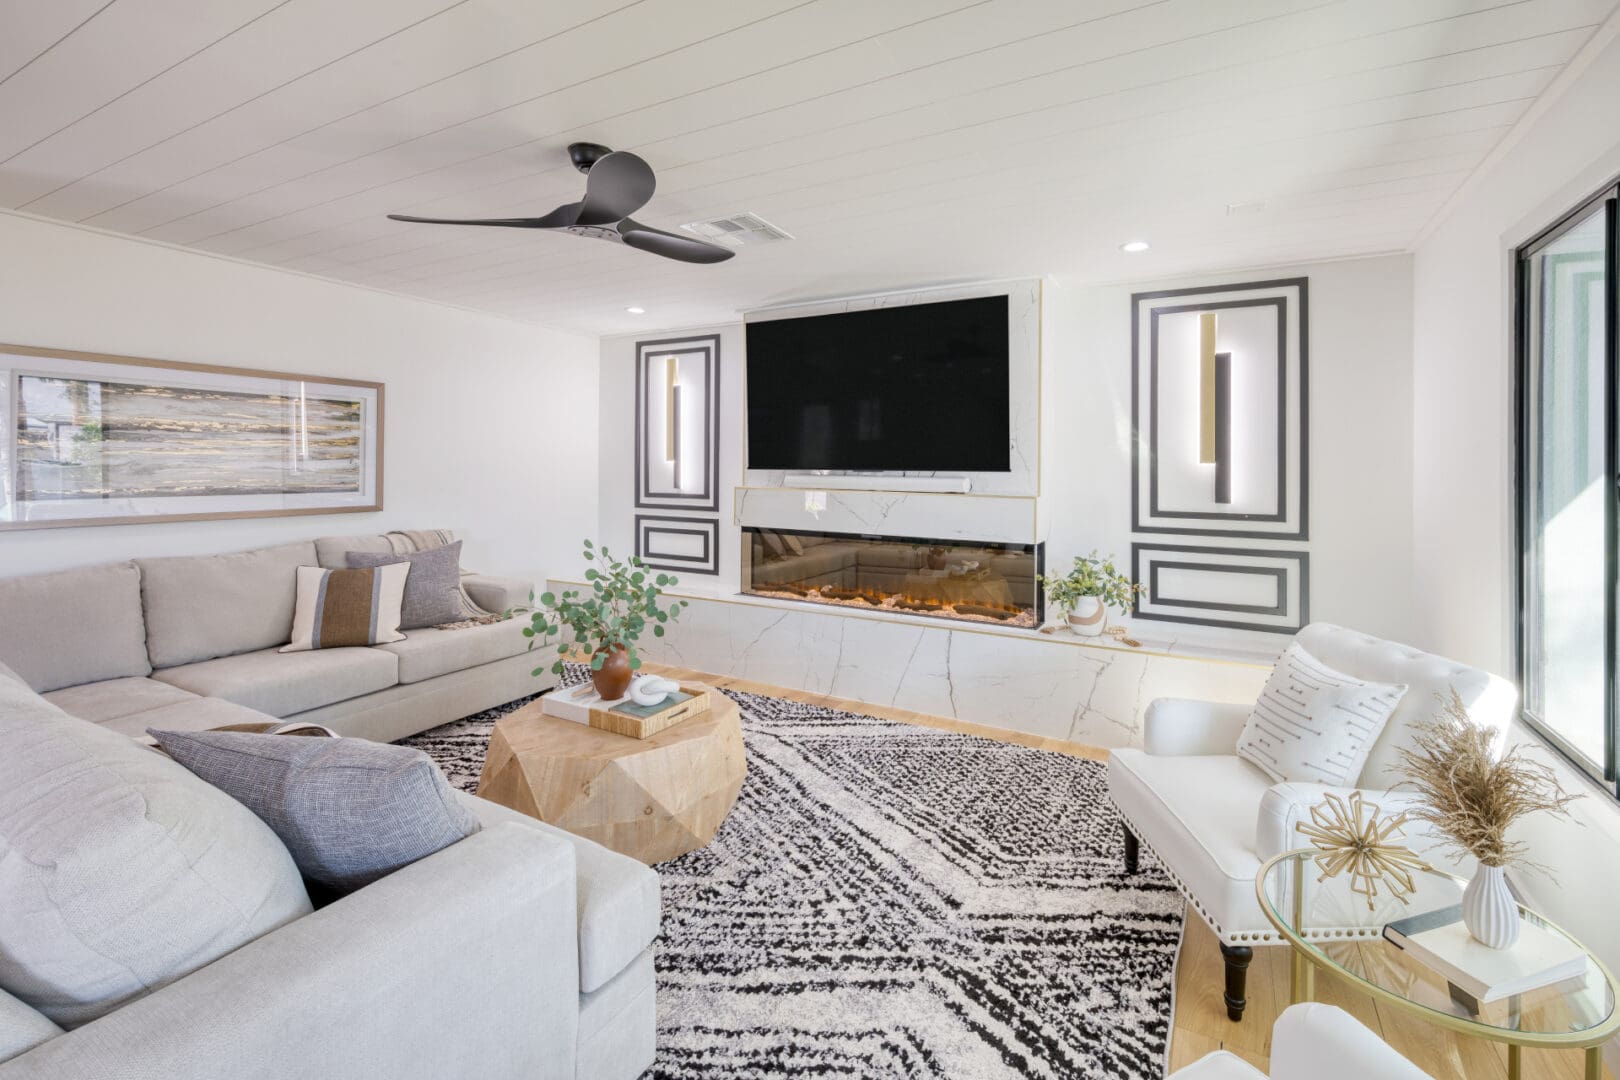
pixel 1329 926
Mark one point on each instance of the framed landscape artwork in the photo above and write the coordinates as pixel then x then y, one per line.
pixel 92 439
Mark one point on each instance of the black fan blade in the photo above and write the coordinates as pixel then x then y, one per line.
pixel 617 186
pixel 671 246
pixel 511 223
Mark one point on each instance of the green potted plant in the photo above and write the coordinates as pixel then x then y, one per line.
pixel 621 604
pixel 1088 590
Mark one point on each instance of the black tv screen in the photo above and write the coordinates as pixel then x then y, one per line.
pixel 917 388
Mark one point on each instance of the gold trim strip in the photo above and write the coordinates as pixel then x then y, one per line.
pixel 1206 388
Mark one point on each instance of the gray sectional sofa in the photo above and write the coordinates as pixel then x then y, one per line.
pixel 519 952
pixel 188 642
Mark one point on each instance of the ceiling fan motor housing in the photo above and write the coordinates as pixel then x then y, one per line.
pixel 586 154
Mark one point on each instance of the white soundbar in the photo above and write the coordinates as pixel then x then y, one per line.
pixel 956 485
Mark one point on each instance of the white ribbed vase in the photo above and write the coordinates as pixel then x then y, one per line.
pixel 1089 617
pixel 1488 909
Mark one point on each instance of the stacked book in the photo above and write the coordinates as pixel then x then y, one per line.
pixel 583 705
pixel 1479 974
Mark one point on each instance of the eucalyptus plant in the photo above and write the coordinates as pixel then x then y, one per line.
pixel 622 603
pixel 1092 575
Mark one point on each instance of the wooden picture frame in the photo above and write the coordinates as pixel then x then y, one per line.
pixel 101 439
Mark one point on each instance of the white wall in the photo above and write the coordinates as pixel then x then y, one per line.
pixel 490 424
pixel 1360 435
pixel 617 483
pixel 1361 499
pixel 1463 449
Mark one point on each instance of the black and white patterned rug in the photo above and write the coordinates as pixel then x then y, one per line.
pixel 889 900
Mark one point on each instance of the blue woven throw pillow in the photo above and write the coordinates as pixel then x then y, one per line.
pixel 350 810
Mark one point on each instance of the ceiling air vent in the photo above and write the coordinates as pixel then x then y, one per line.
pixel 738 230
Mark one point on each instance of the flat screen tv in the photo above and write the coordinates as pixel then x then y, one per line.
pixel 916 388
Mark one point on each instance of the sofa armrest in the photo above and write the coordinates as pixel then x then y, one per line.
pixel 462 964
pixel 1176 727
pixel 1313 1041
pixel 497 594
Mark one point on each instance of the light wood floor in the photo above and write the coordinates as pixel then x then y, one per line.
pixel 1200 1023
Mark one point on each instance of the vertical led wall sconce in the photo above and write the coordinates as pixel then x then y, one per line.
pixel 677 424
pixel 672 417
pixel 1215 407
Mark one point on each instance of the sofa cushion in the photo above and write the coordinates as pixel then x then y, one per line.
pixel 432 585
pixel 342 608
pixel 282 684
pixel 351 811
pixel 332 552
pixel 618 899
pixel 202 606
pixel 72 627
pixel 7 675
pixel 1199 813
pixel 119 870
pixel 427 654
pixel 112 698
pixel 192 714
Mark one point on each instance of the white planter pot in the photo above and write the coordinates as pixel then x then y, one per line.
pixel 1088 617
pixel 1488 909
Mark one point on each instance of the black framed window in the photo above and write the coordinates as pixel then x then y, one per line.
pixel 1569 483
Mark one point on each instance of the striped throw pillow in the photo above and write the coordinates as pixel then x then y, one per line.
pixel 1313 724
pixel 339 608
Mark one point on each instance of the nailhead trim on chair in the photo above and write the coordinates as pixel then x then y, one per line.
pixel 1243 937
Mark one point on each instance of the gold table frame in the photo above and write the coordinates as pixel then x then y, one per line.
pixel 1305 959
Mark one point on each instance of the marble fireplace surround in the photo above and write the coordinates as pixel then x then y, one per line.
pixel 1055 685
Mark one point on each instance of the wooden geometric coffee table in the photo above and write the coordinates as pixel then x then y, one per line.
pixel 651 799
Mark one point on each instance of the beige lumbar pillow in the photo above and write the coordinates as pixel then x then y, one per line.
pixel 1314 724
pixel 341 608
pixel 121 871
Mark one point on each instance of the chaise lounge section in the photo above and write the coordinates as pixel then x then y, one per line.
pixel 521 951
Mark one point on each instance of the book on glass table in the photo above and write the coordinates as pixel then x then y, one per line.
pixel 1483 974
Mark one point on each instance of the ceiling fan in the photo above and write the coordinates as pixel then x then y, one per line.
pixel 617 183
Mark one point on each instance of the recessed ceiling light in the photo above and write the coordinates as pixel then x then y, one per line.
pixel 636 310
pixel 1133 246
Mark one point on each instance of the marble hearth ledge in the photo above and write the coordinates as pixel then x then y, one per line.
pixel 924 514
pixel 1054 685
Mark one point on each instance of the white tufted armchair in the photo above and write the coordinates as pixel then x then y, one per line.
pixel 1212 818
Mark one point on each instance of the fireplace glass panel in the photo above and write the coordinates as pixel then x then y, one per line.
pixel 969 580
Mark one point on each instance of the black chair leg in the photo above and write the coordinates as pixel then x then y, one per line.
pixel 1132 851
pixel 1237 959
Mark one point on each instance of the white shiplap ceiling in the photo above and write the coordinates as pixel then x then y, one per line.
pixel 902 142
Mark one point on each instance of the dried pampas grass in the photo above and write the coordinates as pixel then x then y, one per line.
pixel 1470 795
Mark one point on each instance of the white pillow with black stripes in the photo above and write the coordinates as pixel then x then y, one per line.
pixel 1313 724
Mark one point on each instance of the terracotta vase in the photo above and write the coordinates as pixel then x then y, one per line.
pixel 612 679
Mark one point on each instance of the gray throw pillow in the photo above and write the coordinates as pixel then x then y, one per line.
pixel 432 588
pixel 350 810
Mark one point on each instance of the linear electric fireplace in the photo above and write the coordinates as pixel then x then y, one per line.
pixel 952 579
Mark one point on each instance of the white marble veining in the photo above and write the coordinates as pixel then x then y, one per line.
pixel 1054 685
pixel 929 515
pixel 1024 371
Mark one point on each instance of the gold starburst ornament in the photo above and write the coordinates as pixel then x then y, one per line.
pixel 1350 837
